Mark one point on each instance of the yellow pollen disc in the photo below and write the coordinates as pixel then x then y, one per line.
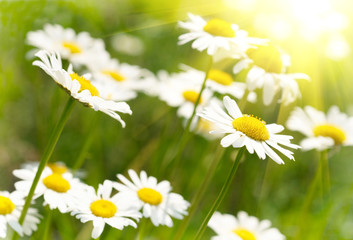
pixel 103 208
pixel 266 57
pixel 57 183
pixel 57 168
pixel 191 96
pixel 244 234
pixel 85 84
pixel 73 47
pixel 331 131
pixel 114 74
pixel 149 195
pixel 220 77
pixel 252 127
pixel 219 27
pixel 6 205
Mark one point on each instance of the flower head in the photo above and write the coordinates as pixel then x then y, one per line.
pixel 79 87
pixel 268 71
pixel 322 131
pixel 155 199
pixel 242 227
pixel 11 205
pixel 59 189
pixel 78 48
pixel 101 208
pixel 215 36
pixel 249 131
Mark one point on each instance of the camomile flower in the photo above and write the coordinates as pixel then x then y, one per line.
pixel 249 131
pixel 79 87
pixel 101 208
pixel 78 48
pixel 216 35
pixel 59 190
pixel 242 227
pixel 11 205
pixel 155 199
pixel 268 71
pixel 219 81
pixel 182 90
pixel 321 131
pixel 121 77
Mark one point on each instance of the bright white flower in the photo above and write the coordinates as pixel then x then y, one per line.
pixel 181 90
pixel 78 48
pixel 268 71
pixel 249 131
pixel 217 36
pixel 122 80
pixel 242 227
pixel 11 205
pixel 321 131
pixel 59 190
pixel 156 199
pixel 79 87
pixel 101 208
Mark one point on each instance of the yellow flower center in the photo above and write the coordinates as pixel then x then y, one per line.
pixel 266 57
pixel 57 168
pixel 149 195
pixel 327 130
pixel 72 47
pixel 114 74
pixel 220 77
pixel 85 84
pixel 252 127
pixel 219 27
pixel 191 96
pixel 57 183
pixel 244 234
pixel 6 205
pixel 103 208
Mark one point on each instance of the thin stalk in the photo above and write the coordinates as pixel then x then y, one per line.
pixel 48 220
pixel 185 136
pixel 142 229
pixel 325 174
pixel 46 155
pixel 309 197
pixel 221 195
pixel 220 153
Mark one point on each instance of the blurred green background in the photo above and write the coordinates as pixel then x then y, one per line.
pixel 317 35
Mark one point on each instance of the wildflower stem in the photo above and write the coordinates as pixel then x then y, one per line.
pixel 48 219
pixel 220 153
pixel 221 195
pixel 46 155
pixel 325 174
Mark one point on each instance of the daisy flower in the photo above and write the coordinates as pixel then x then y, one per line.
pixel 79 87
pixel 216 35
pixel 155 199
pixel 268 71
pixel 120 78
pixel 242 227
pixel 11 205
pixel 321 131
pixel 249 131
pixel 101 208
pixel 78 48
pixel 182 90
pixel 59 190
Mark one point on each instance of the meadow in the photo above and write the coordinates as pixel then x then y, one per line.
pixel 307 198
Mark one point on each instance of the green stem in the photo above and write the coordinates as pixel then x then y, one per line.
pixel 46 234
pixel 220 153
pixel 325 173
pixel 142 229
pixel 221 195
pixel 309 197
pixel 185 136
pixel 46 155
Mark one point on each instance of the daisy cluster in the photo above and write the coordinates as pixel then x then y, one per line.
pixel 118 204
pixel 81 66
